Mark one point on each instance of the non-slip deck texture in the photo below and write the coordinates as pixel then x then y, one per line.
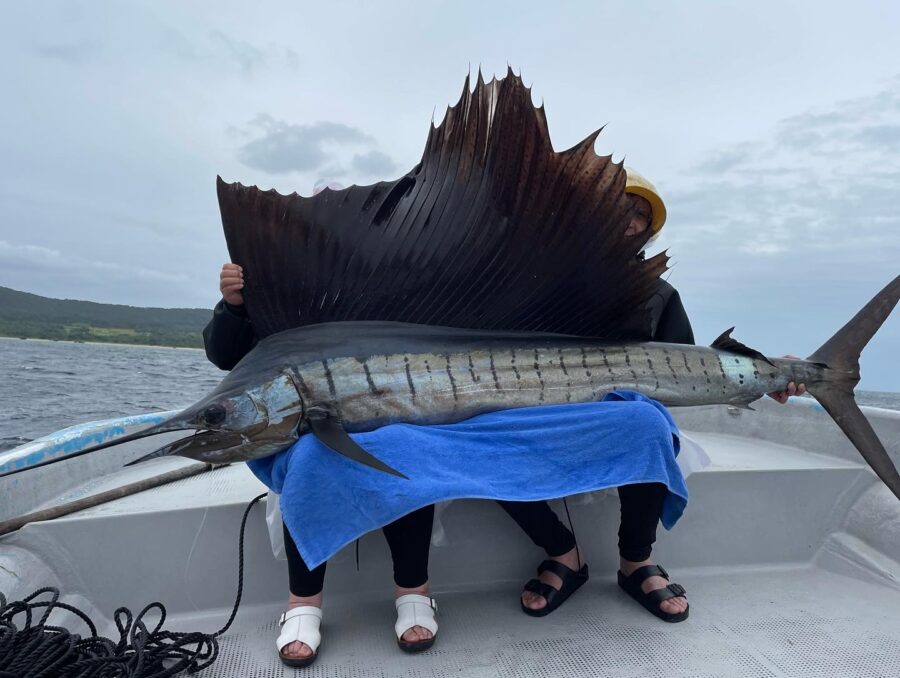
pixel 785 623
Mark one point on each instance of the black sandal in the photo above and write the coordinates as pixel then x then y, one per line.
pixel 571 582
pixel 651 601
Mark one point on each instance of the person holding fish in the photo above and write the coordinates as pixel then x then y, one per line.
pixel 564 571
pixel 228 337
pixel 478 334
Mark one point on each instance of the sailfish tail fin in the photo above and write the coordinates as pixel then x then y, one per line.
pixel 840 356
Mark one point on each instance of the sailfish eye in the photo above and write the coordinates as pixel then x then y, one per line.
pixel 213 415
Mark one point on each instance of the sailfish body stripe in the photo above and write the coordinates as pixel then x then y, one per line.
pixel 410 390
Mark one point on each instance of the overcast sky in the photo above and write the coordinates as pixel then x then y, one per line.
pixel 771 128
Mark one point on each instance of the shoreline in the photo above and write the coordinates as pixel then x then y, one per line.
pixel 103 343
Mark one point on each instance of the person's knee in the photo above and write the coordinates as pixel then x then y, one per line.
pixel 650 420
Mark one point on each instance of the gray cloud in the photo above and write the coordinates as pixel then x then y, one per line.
pixel 51 272
pixel 243 53
pixel 331 172
pixel 71 53
pixel 884 135
pixel 864 124
pixel 374 163
pixel 867 127
pixel 321 147
pixel 726 160
pixel 292 59
pixel 220 49
pixel 799 190
pixel 177 43
pixel 49 258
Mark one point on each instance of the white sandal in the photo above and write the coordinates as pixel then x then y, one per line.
pixel 300 624
pixel 415 610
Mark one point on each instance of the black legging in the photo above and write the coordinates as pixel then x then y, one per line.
pixel 641 509
pixel 409 539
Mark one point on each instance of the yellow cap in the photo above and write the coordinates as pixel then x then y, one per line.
pixel 636 184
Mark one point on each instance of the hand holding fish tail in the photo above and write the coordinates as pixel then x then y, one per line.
pixel 791 389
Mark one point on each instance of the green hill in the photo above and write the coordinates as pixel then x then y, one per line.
pixel 34 317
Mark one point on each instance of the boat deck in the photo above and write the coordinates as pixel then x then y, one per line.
pixel 791 559
pixel 747 623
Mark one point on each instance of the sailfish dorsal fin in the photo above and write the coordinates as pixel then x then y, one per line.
pixel 493 229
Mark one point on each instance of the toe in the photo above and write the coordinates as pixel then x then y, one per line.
pixel 674 605
pixel 416 634
pixel 297 650
pixel 533 601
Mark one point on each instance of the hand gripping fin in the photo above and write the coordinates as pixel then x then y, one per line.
pixel 327 428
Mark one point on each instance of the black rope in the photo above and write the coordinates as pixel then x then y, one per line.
pixel 37 649
pixel 572 530
pixel 240 589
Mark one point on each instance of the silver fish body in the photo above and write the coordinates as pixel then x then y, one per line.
pixel 429 388
pixel 445 375
pixel 358 376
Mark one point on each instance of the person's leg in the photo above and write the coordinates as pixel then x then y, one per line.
pixel 641 507
pixel 409 539
pixel 542 526
pixel 305 589
pixel 546 531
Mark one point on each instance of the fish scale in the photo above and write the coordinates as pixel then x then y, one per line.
pixel 446 387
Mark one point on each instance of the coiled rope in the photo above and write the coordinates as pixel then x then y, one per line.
pixel 41 650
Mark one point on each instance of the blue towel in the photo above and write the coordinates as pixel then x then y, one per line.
pixel 532 453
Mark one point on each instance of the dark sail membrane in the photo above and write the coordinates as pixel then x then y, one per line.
pixel 493 229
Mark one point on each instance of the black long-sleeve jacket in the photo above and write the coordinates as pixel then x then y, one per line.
pixel 229 335
pixel 668 320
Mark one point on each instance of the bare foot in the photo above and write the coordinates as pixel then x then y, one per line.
pixel 298 650
pixel 672 605
pixel 415 634
pixel 572 560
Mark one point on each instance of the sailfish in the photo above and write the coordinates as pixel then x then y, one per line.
pixel 495 274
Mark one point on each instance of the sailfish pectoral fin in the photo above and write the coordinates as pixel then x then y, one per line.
pixel 327 428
